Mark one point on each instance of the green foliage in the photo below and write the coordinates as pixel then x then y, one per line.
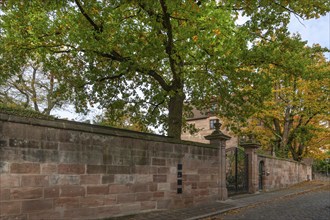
pixel 291 115
pixel 149 57
pixel 322 165
pixel 23 112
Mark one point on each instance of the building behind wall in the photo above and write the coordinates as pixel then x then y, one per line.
pixel 204 123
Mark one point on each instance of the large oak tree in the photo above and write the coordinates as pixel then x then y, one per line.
pixel 293 120
pixel 147 57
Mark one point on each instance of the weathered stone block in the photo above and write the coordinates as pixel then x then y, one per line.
pixel 143 178
pixel 52 192
pixel 48 145
pixel 45 215
pixel 163 186
pixel 4 194
pixel 72 191
pixel 66 203
pixel 118 189
pixel 139 187
pixel 164 204
pixel 110 199
pixel 71 168
pixel 26 193
pixel 64 180
pixel 130 208
pixel 126 198
pixel 4 167
pixel 80 213
pixel 159 178
pixel 140 169
pixel 158 195
pixel 144 196
pixel 65 146
pixel 73 157
pixel 64 136
pixel 29 168
pixel 141 160
pixel 39 156
pixel 3 143
pixel 34 180
pixel 148 205
pixel 158 162
pixel 8 180
pixel 49 134
pixel 196 150
pixel 152 187
pixel 106 179
pixel 23 143
pixel 118 169
pixel 163 170
pixel 96 169
pixel 161 146
pixel 107 158
pixel 16 217
pixel 192 178
pixel 90 179
pixel 91 157
pixel 48 168
pixel 91 201
pixel 36 205
pixel 124 179
pixel 98 190
pixel 10 208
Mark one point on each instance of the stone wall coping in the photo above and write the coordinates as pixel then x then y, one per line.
pixel 278 158
pixel 97 129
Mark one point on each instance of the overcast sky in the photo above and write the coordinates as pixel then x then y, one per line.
pixel 315 31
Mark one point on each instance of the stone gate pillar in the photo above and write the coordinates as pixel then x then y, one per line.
pixel 250 148
pixel 219 139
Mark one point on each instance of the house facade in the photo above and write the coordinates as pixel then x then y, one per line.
pixel 204 123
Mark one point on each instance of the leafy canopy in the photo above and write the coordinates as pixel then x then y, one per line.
pixel 148 57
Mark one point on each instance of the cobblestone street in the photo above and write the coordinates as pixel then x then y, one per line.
pixel 307 200
pixel 311 205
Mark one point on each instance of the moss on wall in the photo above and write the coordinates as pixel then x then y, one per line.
pixel 23 112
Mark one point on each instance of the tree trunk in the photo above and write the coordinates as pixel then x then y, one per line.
pixel 287 127
pixel 175 111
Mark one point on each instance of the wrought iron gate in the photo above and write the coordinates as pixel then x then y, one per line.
pixel 236 171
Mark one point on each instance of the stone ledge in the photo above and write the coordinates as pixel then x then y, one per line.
pixel 96 129
pixel 278 158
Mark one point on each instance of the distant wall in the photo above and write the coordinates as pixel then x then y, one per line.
pixel 64 170
pixel 280 173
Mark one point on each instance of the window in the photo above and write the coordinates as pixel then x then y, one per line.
pixel 212 123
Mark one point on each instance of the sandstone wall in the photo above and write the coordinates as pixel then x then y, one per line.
pixel 64 170
pixel 280 173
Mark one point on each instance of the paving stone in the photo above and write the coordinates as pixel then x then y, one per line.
pixel 309 200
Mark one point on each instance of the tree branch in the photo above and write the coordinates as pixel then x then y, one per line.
pixel 169 47
pixel 89 19
pixel 157 77
pixel 287 9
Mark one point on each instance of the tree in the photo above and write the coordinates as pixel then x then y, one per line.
pixel 32 87
pixel 293 114
pixel 149 55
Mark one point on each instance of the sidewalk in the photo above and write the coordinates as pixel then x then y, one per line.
pixel 235 202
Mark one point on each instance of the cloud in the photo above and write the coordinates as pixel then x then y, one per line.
pixel 315 31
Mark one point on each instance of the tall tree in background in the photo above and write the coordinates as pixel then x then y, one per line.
pixel 34 87
pixel 148 56
pixel 294 115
